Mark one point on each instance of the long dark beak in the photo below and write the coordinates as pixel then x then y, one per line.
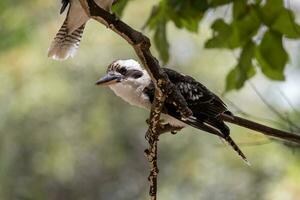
pixel 108 79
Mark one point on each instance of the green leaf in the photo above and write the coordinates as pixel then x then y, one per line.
pixel 237 34
pixel 216 3
pixel 243 71
pixel 158 22
pixel 188 23
pixel 245 28
pixel 271 55
pixel 119 7
pixel 240 8
pixel 161 42
pixel 280 19
pixel 186 14
pixel 285 24
pixel 223 37
pixel 270 11
pixel 155 17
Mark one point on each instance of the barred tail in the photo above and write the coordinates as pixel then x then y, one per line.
pixel 65 45
pixel 235 147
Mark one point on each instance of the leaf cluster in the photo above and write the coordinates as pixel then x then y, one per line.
pixel 256 29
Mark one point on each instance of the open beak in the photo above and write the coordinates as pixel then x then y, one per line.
pixel 108 79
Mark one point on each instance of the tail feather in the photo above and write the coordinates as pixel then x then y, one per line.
pixel 226 136
pixel 65 45
pixel 235 147
pixel 219 128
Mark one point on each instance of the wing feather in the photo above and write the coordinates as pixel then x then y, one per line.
pixel 200 100
pixel 205 105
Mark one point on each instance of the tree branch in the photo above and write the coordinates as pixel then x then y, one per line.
pixel 141 45
pixel 165 90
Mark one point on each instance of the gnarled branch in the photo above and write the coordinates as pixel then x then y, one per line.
pixel 164 88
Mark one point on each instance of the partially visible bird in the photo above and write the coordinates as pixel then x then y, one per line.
pixel 133 84
pixel 69 35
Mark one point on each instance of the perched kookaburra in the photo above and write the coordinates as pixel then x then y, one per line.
pixel 69 35
pixel 132 83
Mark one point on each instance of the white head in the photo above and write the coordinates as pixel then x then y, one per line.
pixel 127 79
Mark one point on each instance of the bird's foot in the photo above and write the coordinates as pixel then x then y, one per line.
pixel 165 128
pixel 174 132
pixel 161 129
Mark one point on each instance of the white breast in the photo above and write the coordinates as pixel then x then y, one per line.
pixel 131 94
pixel 134 96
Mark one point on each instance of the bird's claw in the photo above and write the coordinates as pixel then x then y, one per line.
pixel 174 132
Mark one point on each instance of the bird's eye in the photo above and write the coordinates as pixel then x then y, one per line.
pixel 123 70
pixel 136 74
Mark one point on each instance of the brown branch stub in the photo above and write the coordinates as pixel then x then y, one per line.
pixel 151 155
pixel 152 134
pixel 154 131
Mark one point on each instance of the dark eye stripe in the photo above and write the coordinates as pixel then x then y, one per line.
pixel 134 73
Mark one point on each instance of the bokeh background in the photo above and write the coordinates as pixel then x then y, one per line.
pixel 63 138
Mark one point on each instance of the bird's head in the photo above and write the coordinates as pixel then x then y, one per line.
pixel 124 72
pixel 127 79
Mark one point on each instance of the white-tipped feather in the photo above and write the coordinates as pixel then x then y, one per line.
pixel 67 40
pixel 61 52
pixel 65 45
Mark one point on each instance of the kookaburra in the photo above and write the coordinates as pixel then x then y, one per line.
pixel 69 35
pixel 133 84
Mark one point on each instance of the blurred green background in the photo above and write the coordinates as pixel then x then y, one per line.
pixel 62 138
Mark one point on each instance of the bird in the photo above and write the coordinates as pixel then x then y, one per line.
pixel 128 80
pixel 67 39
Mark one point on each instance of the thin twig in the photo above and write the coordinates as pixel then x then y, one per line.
pixel 274 110
pixel 239 111
pixel 289 102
